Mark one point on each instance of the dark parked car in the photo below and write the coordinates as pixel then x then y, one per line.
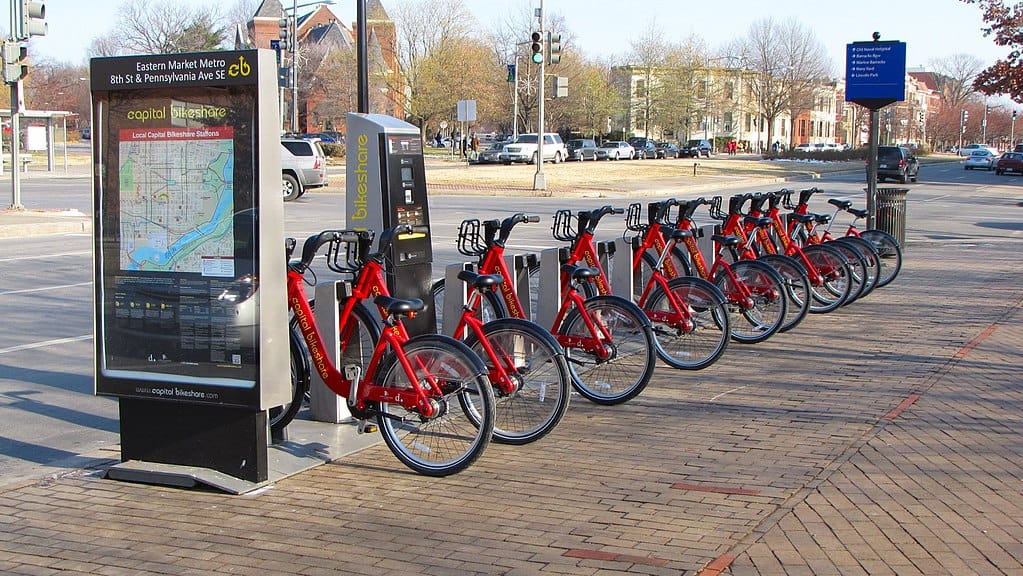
pixel 896 162
pixel 697 148
pixel 1010 162
pixel 581 149
pixel 645 149
pixel 668 150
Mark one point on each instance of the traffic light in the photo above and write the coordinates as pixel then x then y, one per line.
pixel 511 72
pixel 14 54
pixel 33 16
pixel 537 48
pixel 966 116
pixel 553 48
pixel 285 33
pixel 1013 115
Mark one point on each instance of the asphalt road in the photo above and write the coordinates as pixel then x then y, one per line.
pixel 49 416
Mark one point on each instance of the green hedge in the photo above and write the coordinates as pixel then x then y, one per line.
pixel 333 150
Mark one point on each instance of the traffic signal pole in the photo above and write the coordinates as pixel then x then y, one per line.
pixel 27 20
pixel 539 180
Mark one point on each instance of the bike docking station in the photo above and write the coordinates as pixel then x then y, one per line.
pixel 191 324
pixel 385 187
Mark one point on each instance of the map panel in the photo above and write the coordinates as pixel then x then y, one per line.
pixel 177 200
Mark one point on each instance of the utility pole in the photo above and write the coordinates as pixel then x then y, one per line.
pixel 539 180
pixel 27 20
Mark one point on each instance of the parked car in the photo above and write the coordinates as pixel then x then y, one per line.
pixel 491 154
pixel 321 136
pixel 581 149
pixel 1010 162
pixel 897 162
pixel 697 148
pixel 645 149
pixel 668 150
pixel 524 149
pixel 803 148
pixel 303 166
pixel 617 150
pixel 85 132
pixel 1018 148
pixel 981 158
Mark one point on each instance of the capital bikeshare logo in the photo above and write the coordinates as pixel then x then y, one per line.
pixel 361 177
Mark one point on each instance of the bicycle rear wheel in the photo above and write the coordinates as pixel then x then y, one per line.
pixel 759 318
pixel 705 309
pixel 451 440
pixel 536 365
pixel 889 251
pixel 626 370
pixel 833 286
pixel 797 288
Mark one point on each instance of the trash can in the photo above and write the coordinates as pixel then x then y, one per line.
pixel 891 213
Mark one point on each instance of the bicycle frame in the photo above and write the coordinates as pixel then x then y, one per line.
pixel 741 294
pixel 369 282
pixel 497 375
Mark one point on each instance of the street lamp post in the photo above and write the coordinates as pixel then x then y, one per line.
pixel 1012 132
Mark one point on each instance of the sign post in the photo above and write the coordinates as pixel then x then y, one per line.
pixel 875 76
pixel 189 266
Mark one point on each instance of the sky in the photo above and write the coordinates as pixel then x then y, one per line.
pixel 932 29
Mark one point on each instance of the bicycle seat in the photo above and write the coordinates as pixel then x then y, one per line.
pixel 822 218
pixel 857 212
pixel 480 281
pixel 758 221
pixel 840 203
pixel 396 307
pixel 681 234
pixel 579 272
pixel 802 218
pixel 725 240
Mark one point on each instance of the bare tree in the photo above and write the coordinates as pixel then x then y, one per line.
pixel 954 76
pixel 761 55
pixel 161 26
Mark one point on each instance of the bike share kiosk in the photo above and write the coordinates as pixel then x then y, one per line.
pixel 190 314
pixel 385 187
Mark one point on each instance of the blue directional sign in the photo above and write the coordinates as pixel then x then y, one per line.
pixel 875 73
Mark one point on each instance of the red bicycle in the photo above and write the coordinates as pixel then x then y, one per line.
pixel 428 394
pixel 608 342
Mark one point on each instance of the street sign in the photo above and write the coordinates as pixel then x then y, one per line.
pixel 875 73
pixel 466 110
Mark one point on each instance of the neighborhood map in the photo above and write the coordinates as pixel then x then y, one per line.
pixel 177 200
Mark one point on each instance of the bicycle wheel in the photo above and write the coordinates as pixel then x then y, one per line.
pixel 870 256
pixel 536 365
pixel 491 307
pixel 698 346
pixel 833 286
pixel 761 315
pixel 888 251
pixel 451 440
pixel 858 274
pixel 627 368
pixel 797 288
pixel 281 416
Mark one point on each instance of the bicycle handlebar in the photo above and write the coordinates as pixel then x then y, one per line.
pixel 313 243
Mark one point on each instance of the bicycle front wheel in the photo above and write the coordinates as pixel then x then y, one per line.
pixel 832 285
pixel 797 288
pixel 609 371
pixel 700 343
pixel 888 251
pixel 280 416
pixel 758 317
pixel 450 440
pixel 539 379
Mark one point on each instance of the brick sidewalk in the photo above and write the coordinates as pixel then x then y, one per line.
pixel 881 438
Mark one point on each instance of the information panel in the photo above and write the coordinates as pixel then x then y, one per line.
pixel 180 311
pixel 875 73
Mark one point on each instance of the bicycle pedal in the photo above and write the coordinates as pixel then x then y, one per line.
pixel 367 427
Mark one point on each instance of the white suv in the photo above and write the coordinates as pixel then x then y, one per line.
pixel 303 166
pixel 524 149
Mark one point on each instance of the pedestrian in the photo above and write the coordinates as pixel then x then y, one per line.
pixel 475 142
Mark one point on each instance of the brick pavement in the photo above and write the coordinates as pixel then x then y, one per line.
pixel 881 438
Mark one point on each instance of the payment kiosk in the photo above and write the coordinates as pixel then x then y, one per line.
pixel 386 186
